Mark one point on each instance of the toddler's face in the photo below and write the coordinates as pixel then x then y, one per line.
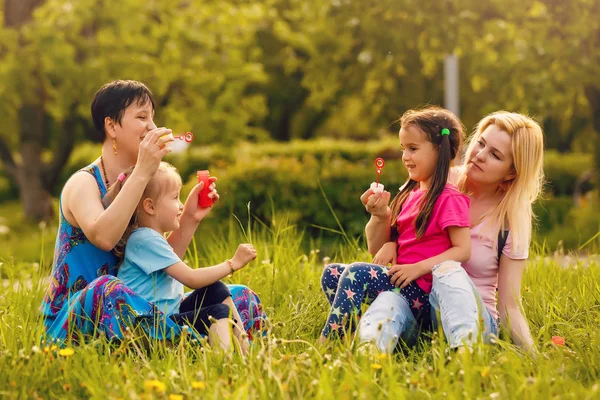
pixel 169 209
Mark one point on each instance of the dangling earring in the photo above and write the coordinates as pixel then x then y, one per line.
pixel 115 146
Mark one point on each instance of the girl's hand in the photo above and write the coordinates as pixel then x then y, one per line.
pixel 376 203
pixel 192 209
pixel 403 275
pixel 386 255
pixel 152 150
pixel 243 255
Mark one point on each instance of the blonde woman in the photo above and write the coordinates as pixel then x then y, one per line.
pixel 502 173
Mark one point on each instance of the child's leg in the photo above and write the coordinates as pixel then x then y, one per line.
pixel 201 321
pixel 360 282
pixel 219 332
pixel 238 327
pixel 330 279
pixel 209 295
pixel 418 301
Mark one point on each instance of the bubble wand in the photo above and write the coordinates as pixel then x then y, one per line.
pixel 376 186
pixel 188 137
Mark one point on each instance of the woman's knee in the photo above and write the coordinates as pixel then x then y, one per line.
pixel 448 268
pixel 106 280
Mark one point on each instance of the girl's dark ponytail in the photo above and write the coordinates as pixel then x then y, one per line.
pixel 445 131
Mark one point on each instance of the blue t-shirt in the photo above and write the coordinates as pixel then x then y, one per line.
pixel 147 254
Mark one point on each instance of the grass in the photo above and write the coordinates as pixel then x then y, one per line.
pixel 286 363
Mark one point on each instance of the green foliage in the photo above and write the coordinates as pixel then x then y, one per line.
pixel 564 170
pixel 234 71
pixel 199 59
pixel 577 228
pixel 284 178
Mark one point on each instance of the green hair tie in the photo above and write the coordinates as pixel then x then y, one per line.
pixel 445 131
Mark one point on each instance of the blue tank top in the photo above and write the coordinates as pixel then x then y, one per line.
pixel 77 262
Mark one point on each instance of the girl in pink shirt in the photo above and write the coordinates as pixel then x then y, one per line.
pixel 502 173
pixel 430 216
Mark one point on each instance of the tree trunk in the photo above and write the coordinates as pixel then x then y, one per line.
pixel 28 174
pixel 18 12
pixel 36 201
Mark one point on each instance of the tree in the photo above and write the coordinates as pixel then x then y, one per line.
pixel 198 57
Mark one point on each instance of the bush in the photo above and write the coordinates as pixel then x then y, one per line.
pixel 563 170
pixel 274 185
pixel 323 151
pixel 578 227
pixel 278 178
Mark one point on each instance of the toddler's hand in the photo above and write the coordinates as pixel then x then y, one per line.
pixel 243 255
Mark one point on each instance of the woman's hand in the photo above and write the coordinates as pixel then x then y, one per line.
pixel 376 203
pixel 386 255
pixel 192 210
pixel 152 150
pixel 403 275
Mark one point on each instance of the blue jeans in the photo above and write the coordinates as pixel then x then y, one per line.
pixel 454 300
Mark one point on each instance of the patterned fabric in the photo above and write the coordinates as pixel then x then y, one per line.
pixel 84 298
pixel 249 307
pixel 347 287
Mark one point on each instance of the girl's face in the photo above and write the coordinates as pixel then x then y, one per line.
pixel 137 121
pixel 169 209
pixel 490 160
pixel 418 154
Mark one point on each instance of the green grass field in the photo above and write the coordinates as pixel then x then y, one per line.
pixel 286 363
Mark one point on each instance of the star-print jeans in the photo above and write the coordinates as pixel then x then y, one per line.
pixel 455 302
pixel 347 287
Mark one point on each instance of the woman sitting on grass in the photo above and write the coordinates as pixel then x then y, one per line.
pixel 502 173
pixel 84 296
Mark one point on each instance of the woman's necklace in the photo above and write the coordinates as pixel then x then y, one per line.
pixel 104 171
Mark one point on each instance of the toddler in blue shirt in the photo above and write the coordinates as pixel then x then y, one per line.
pixel 153 270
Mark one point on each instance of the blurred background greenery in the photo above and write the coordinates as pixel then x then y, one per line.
pixel 290 101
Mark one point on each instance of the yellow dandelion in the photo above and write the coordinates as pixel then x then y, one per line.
pixel 54 347
pixel 382 356
pixel 155 385
pixel 198 385
pixel 376 366
pixel 485 371
pixel 284 387
pixel 175 397
pixel 66 352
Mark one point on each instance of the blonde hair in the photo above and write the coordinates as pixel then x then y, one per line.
pixel 165 178
pixel 515 208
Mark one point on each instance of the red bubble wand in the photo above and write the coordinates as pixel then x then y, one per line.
pixel 188 137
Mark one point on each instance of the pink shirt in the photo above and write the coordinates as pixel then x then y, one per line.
pixel 483 265
pixel 451 209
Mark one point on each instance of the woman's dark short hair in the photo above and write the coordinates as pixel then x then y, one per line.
pixel 112 99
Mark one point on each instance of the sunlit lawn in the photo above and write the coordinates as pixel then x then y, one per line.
pixel 286 363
